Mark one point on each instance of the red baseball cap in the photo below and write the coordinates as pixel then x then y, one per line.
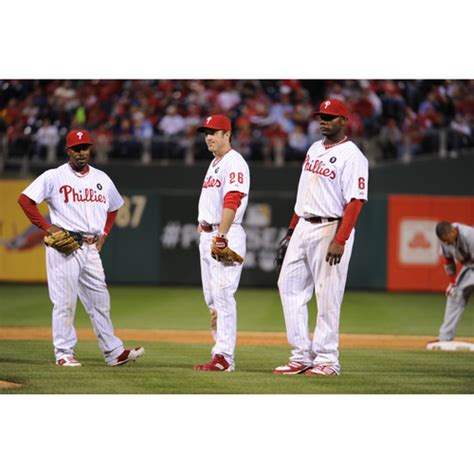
pixel 78 137
pixel 333 107
pixel 216 122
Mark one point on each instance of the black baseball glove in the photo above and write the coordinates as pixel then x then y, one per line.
pixel 281 252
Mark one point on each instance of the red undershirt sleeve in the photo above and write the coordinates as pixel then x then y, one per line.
pixel 291 227
pixel 349 220
pixel 233 199
pixel 31 210
pixel 294 221
pixel 111 216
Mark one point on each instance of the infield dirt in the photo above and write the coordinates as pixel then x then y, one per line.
pixel 347 341
pixel 6 384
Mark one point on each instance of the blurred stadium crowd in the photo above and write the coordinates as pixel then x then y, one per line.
pixel 155 120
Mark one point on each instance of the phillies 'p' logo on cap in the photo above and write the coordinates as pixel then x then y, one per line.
pixel 216 122
pixel 333 107
pixel 78 137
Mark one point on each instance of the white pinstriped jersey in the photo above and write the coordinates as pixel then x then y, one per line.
pixel 76 202
pixel 330 178
pixel 230 173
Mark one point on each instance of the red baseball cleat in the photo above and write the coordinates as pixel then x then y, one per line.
pixel 292 368
pixel 322 370
pixel 217 364
pixel 128 355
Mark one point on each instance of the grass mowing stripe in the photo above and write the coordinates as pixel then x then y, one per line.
pixel 166 369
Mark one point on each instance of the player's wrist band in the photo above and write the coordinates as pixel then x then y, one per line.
pixel 221 235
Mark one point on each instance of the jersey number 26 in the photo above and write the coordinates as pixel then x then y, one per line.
pixel 240 177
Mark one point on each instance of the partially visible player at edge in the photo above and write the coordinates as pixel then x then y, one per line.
pixel 222 205
pixel 331 191
pixel 82 199
pixel 457 246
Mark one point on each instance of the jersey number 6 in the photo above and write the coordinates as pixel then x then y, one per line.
pixel 361 183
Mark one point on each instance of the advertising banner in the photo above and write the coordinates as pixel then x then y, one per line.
pixel 414 262
pixel 22 255
pixel 265 222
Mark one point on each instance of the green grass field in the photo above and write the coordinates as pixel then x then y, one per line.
pixel 167 367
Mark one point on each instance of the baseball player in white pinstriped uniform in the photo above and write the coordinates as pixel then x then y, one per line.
pixel 85 200
pixel 457 246
pixel 331 191
pixel 222 205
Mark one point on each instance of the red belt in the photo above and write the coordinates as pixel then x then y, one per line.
pixel 205 227
pixel 319 219
pixel 90 240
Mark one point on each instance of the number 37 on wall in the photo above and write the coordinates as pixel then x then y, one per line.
pixel 131 213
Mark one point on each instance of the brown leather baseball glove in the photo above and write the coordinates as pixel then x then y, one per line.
pixel 221 252
pixel 64 241
pixel 227 255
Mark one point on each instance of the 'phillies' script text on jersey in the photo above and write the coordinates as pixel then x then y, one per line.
pixel 210 182
pixel 318 168
pixel 77 196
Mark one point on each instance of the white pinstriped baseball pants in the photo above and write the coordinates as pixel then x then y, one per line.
pixel 304 272
pixel 219 284
pixel 80 274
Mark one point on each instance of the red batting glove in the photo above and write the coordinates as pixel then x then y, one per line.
pixel 219 243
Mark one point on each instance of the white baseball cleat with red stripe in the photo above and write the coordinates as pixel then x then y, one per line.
pixel 128 355
pixel 292 368
pixel 68 362
pixel 323 370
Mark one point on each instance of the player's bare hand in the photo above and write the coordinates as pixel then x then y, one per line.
pixel 334 255
pixel 451 290
pixel 52 229
pixel 100 243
